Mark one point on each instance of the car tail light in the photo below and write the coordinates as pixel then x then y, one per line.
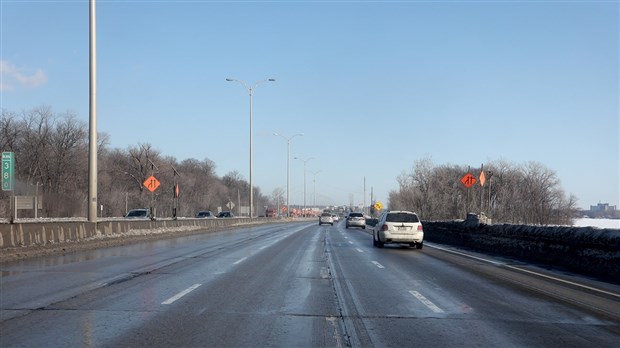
pixel 420 228
pixel 384 227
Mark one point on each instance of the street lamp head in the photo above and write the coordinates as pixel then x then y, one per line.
pixel 229 79
pixel 272 80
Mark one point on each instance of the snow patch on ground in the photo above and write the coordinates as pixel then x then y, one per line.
pixel 600 223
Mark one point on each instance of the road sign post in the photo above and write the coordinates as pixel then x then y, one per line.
pixel 468 180
pixel 151 183
pixel 8 178
pixel 8 171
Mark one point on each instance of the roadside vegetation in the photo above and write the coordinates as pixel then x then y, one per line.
pixel 51 159
pixel 528 193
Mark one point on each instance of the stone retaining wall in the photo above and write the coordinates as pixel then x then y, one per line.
pixel 586 250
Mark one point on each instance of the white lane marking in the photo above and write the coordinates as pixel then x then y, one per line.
pixel 470 256
pixel 263 247
pixel 426 302
pixel 350 242
pixel 359 250
pixel 527 271
pixel 181 294
pixel 239 261
pixel 377 264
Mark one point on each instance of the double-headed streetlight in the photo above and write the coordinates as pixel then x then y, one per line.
pixel 288 168
pixel 250 92
pixel 305 161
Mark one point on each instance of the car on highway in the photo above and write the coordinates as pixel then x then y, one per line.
pixel 225 214
pixel 335 217
pixel 138 214
pixel 326 218
pixel 356 220
pixel 401 227
pixel 205 215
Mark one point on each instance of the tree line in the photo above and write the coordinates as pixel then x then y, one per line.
pixel 51 159
pixel 523 194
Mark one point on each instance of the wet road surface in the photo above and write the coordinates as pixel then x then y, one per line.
pixel 297 284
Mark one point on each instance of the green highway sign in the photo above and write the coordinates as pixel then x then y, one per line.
pixel 8 171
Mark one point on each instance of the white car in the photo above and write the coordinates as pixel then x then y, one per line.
pixel 326 218
pixel 400 227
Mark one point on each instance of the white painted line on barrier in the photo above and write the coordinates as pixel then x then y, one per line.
pixel 181 294
pixel 239 261
pixel 426 302
pixel 377 264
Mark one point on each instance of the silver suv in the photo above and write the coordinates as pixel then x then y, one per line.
pixel 356 220
pixel 398 227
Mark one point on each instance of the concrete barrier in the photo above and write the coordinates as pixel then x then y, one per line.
pixel 41 233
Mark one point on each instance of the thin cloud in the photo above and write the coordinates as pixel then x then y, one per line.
pixel 13 76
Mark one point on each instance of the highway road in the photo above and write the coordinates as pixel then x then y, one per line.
pixel 298 284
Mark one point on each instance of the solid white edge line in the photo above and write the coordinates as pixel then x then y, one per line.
pixel 181 294
pixel 426 302
pixel 527 271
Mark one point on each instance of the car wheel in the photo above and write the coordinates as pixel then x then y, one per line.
pixel 380 244
pixel 374 241
pixel 347 226
pixel 419 245
pixel 363 227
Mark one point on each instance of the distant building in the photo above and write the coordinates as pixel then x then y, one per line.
pixel 602 207
pixel 602 210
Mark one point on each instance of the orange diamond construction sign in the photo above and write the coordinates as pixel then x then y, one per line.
pixel 468 180
pixel 151 183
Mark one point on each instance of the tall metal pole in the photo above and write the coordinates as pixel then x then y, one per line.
pixel 92 148
pixel 314 183
pixel 288 177
pixel 288 169
pixel 250 92
pixel 251 182
pixel 305 161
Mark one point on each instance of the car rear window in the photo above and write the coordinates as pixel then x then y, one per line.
pixel 401 217
pixel 326 214
pixel 356 215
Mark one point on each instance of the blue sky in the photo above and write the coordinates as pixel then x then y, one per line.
pixel 374 86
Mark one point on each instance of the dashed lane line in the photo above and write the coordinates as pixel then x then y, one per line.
pixel 239 261
pixel 377 264
pixel 426 302
pixel 181 294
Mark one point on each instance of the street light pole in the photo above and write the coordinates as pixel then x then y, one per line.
pixel 305 161
pixel 314 183
pixel 250 92
pixel 288 169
